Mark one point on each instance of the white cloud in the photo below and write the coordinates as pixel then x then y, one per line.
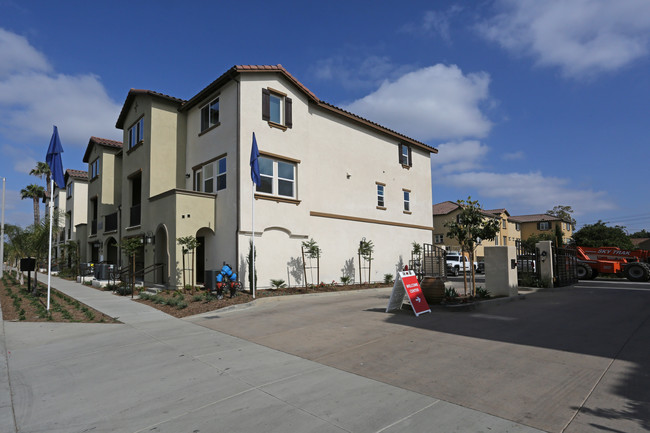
pixel 513 156
pixel 32 99
pixel 530 191
pixel 18 56
pixel 457 157
pixel 436 102
pixel 582 37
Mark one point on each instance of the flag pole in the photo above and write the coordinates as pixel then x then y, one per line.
pixel 49 251
pixel 253 238
pixel 2 231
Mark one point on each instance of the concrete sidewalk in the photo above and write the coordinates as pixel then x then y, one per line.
pixel 162 374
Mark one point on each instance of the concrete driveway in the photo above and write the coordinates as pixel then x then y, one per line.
pixel 572 360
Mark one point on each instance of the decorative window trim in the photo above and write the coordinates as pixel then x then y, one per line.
pixel 407 202
pixel 286 109
pixel 381 195
pixel 276 179
pixel 198 182
pixel 405 160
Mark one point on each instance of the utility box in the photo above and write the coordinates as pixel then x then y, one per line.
pixel 210 280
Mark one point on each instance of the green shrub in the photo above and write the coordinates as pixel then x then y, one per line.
pixel 388 278
pixel 346 279
pixel 450 293
pixel 278 284
pixel 482 293
pixel 123 290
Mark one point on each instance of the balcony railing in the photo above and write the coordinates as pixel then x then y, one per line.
pixel 134 217
pixel 93 227
pixel 110 224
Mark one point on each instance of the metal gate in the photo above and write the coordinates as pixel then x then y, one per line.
pixel 528 271
pixel 565 270
pixel 431 262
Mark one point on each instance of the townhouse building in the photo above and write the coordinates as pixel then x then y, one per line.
pixel 538 224
pixel 448 211
pixel 104 159
pixel 71 205
pixel 183 169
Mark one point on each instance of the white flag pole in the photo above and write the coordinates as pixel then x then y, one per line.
pixel 253 240
pixel 49 251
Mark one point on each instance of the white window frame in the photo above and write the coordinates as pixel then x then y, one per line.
pixel 215 171
pixel 136 133
pixel 381 196
pixel 208 110
pixel 276 181
pixel 438 239
pixel 544 225
pixel 68 191
pixel 407 200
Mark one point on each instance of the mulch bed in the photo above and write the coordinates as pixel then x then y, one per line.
pixel 186 303
pixel 18 304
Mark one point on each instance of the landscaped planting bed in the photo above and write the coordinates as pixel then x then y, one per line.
pixel 188 303
pixel 19 304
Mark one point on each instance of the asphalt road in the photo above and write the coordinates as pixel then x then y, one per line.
pixel 572 359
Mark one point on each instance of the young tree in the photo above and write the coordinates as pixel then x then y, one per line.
pixel 188 244
pixel 252 273
pixel 471 226
pixel 600 235
pixel 365 251
pixel 311 250
pixel 640 234
pixel 34 192
pixel 130 246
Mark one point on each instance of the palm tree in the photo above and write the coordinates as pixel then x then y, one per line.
pixel 42 169
pixel 35 192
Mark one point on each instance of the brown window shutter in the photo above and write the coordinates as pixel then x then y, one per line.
pixel 410 157
pixel 288 122
pixel 399 153
pixel 266 104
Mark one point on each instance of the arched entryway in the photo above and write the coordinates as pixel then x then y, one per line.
pixel 111 249
pixel 203 236
pixel 161 253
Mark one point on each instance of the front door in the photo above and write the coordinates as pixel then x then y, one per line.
pixel 200 260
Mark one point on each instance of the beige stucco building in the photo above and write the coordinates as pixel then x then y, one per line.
pixel 538 224
pixel 448 211
pixel 326 174
pixel 71 203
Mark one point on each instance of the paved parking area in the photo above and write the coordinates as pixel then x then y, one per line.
pixel 570 360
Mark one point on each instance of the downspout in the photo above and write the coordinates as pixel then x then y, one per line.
pixel 237 79
pixel 119 236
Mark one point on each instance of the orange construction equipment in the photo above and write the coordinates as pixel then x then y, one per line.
pixel 633 265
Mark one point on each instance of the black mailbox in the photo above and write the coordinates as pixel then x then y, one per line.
pixel 28 264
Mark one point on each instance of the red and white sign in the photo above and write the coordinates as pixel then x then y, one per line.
pixel 409 281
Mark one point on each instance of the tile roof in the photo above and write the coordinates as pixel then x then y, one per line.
pixel 238 69
pixel 102 142
pixel 445 207
pixel 535 218
pixel 130 97
pixel 76 174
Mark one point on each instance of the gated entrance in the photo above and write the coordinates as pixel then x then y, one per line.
pixel 430 263
pixel 565 270
pixel 528 269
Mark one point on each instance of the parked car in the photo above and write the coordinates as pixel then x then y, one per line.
pixel 526 263
pixel 455 264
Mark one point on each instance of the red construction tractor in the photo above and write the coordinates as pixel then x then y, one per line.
pixel 633 265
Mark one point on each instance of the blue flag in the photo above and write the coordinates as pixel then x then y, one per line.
pixel 255 165
pixel 53 159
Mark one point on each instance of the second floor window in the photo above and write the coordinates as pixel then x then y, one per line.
pixel 438 239
pixel 213 176
pixel 380 195
pixel 210 115
pixel 278 177
pixel 543 225
pixel 405 155
pixel 136 133
pixel 94 169
pixel 69 191
pixel 407 200
pixel 276 108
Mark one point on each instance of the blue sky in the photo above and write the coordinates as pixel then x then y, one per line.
pixel 531 103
